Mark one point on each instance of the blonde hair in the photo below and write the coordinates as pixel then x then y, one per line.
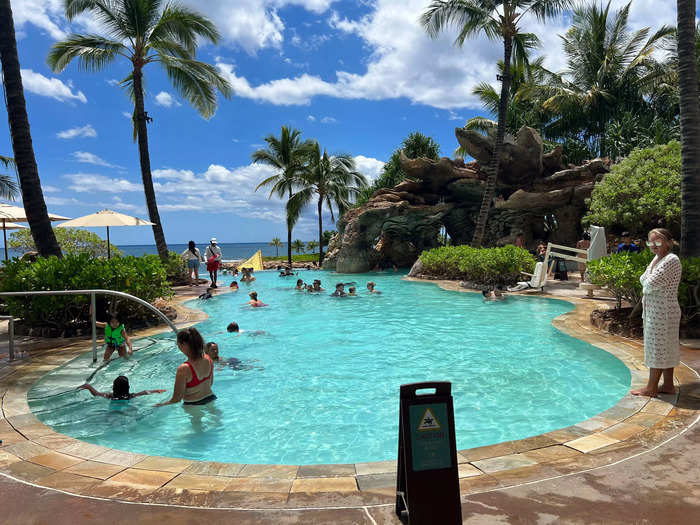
pixel 666 234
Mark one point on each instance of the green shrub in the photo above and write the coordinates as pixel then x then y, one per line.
pixel 641 192
pixel 620 274
pixel 176 269
pixel 143 277
pixel 488 266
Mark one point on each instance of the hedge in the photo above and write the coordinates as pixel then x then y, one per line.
pixel 487 266
pixel 143 277
pixel 620 273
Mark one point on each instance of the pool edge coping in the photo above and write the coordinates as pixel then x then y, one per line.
pixel 53 460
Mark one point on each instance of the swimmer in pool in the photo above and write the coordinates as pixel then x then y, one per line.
pixel 254 301
pixel 370 288
pixel 120 390
pixel 300 285
pixel 234 286
pixel 352 292
pixel 317 285
pixel 207 295
pixel 339 290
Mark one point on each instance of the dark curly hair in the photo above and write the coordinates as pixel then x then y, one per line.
pixel 193 339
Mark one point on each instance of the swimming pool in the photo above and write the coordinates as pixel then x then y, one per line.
pixel 321 384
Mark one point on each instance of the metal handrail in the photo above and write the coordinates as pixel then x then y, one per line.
pixel 92 294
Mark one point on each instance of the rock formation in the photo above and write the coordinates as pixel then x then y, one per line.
pixel 536 195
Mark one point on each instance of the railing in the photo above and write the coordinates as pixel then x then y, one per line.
pixel 93 310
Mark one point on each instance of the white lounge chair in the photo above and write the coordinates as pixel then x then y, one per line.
pixel 537 281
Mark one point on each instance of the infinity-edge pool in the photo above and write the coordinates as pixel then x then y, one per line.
pixel 321 384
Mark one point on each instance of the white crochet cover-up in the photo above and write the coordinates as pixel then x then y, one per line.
pixel 661 312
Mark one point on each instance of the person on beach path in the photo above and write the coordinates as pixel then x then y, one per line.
pixel 193 258
pixel 213 255
pixel 661 314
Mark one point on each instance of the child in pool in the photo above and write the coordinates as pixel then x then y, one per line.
pixel 300 285
pixel 234 286
pixel 120 390
pixel 116 338
pixel 370 287
pixel 207 295
pixel 352 292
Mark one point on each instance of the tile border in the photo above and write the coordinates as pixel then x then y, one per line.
pixel 33 452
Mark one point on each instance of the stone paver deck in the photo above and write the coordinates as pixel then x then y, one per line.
pixel 33 453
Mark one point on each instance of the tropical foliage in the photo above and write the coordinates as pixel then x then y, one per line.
pixel 8 186
pixel 144 277
pixel 298 246
pixel 330 180
pixel 145 32
pixel 311 246
pixel 414 146
pixel 277 244
pixel 498 20
pixel 620 273
pixel 288 155
pixel 641 192
pixel 486 266
pixel 71 240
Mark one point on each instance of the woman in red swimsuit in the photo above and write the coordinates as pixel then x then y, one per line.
pixel 195 376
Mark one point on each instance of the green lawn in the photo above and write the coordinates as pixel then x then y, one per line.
pixel 300 257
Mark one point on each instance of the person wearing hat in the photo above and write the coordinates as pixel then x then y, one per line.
pixel 213 256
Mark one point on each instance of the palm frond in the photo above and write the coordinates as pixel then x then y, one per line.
pixel 298 202
pixel 93 52
pixel 196 82
pixel 482 124
pixel 108 13
pixel 182 25
pixel 468 15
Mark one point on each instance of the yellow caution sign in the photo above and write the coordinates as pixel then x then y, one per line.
pixel 429 421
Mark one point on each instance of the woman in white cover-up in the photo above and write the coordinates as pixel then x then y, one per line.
pixel 661 314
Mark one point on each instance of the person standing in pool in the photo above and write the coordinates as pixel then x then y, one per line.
pixel 370 287
pixel 254 301
pixel 213 255
pixel 116 339
pixel 195 376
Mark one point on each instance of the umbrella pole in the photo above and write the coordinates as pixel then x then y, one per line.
pixel 4 236
pixel 109 254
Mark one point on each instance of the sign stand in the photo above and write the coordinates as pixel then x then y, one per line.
pixel 427 481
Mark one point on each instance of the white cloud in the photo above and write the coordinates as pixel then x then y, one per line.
pixel 92 183
pixel 86 131
pixel 403 62
pixel 369 167
pixel 165 99
pixel 113 82
pixel 311 118
pixel 128 115
pixel 44 14
pixel 49 87
pixel 50 189
pixel 91 158
pixel 328 120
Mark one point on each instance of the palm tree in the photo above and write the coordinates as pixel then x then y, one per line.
pixel 497 19
pixel 298 246
pixel 311 246
pixel 145 32
pixel 286 154
pixel 32 195
pixel 333 180
pixel 690 130
pixel 610 73
pixel 8 187
pixel 276 243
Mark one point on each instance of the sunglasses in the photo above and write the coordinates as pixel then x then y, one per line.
pixel 658 244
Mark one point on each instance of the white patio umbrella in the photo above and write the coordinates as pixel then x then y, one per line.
pixel 9 213
pixel 105 218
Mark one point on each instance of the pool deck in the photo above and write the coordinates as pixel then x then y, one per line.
pixel 635 462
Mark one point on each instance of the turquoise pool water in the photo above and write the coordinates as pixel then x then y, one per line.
pixel 321 384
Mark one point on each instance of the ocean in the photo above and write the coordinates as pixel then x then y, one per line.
pixel 230 251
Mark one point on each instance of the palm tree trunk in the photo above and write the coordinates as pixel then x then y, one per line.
pixel 289 236
pixel 23 150
pixel 495 161
pixel 145 159
pixel 320 231
pixel 690 130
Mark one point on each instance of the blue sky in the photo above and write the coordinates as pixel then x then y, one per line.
pixel 358 76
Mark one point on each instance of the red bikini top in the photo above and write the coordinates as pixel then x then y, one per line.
pixel 195 380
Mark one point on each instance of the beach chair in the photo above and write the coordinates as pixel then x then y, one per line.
pixel 597 249
pixel 537 280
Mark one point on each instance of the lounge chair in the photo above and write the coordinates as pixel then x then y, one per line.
pixel 537 280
